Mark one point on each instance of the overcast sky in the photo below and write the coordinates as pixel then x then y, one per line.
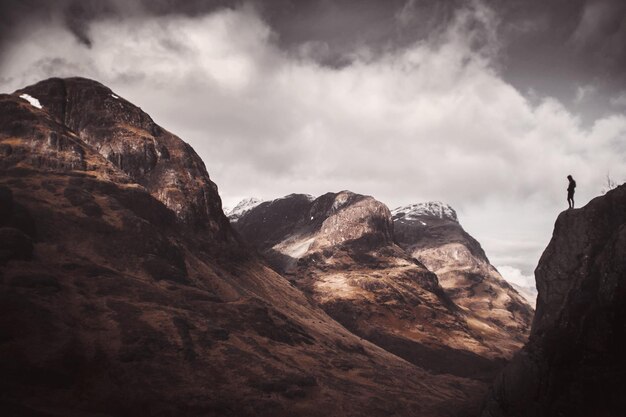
pixel 486 105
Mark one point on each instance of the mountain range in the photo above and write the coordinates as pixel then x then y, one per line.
pixel 125 289
pixel 410 280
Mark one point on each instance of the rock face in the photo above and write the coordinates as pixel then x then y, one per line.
pixel 339 249
pixel 574 362
pixel 126 136
pixel 111 304
pixel 431 233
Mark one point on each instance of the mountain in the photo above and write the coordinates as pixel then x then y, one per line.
pixel 340 250
pixel 574 362
pixel 431 233
pixel 126 136
pixel 124 290
pixel 242 208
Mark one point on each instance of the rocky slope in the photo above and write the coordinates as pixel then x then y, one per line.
pixel 124 292
pixel 431 233
pixel 148 154
pixel 339 249
pixel 574 362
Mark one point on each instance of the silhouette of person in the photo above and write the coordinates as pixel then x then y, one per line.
pixel 570 191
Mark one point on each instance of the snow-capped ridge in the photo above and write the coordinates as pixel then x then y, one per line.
pixel 242 208
pixel 428 209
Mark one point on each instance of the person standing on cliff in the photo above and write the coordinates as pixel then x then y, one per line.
pixel 570 191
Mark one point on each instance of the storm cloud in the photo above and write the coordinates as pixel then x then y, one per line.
pixel 484 105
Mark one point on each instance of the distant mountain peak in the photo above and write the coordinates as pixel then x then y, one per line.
pixel 428 209
pixel 242 208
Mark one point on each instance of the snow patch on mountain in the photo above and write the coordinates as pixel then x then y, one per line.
pixel 242 208
pixel 32 100
pixel 428 209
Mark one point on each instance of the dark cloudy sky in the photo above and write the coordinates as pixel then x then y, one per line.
pixel 484 104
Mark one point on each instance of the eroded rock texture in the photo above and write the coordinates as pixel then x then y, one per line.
pixel 574 362
pixel 126 136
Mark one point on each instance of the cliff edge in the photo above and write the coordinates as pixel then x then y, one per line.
pixel 574 362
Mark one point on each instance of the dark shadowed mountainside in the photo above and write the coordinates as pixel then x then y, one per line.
pixel 574 362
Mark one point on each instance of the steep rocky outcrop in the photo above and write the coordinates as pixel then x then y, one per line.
pixel 111 304
pixel 431 233
pixel 339 249
pixel 126 136
pixel 574 362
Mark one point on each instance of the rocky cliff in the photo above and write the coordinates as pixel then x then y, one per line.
pixel 574 362
pixel 112 304
pixel 431 233
pixel 128 137
pixel 339 249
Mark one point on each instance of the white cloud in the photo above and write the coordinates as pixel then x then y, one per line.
pixel 433 121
